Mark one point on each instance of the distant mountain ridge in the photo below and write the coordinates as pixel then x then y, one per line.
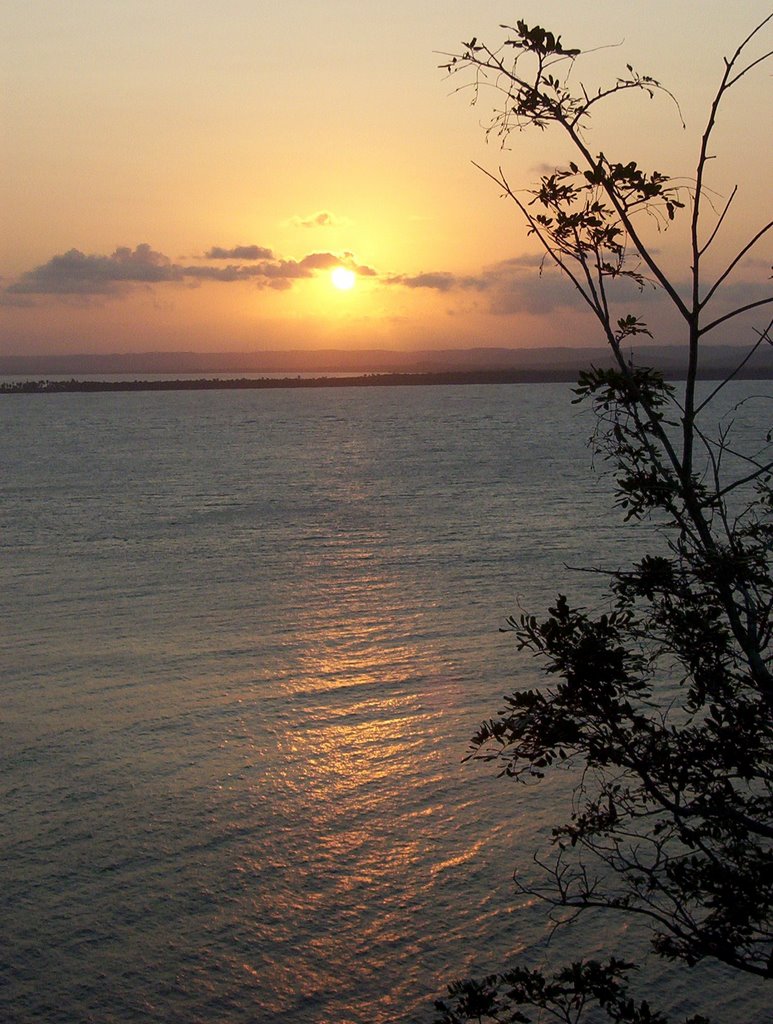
pixel 540 363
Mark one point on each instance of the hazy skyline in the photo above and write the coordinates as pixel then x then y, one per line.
pixel 181 177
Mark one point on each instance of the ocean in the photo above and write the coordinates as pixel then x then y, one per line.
pixel 246 637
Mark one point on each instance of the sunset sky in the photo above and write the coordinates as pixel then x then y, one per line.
pixel 180 174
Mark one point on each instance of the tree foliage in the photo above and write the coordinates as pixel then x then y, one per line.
pixel 565 996
pixel 664 703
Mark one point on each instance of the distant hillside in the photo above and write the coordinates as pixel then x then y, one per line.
pixel 542 363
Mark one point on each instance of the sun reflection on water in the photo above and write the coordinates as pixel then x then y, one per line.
pixel 357 867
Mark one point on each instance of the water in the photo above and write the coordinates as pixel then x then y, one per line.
pixel 248 635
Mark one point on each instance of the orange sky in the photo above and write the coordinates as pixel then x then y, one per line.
pixel 178 175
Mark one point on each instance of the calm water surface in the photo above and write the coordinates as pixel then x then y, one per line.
pixel 247 636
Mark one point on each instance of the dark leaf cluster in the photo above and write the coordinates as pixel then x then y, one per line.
pixel 565 996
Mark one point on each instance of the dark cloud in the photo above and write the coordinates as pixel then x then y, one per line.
pixel 239 252
pixel 321 261
pixel 524 284
pixel 516 285
pixel 515 290
pixel 752 263
pixel 288 270
pixel 533 284
pixel 347 260
pixel 439 280
pixel 270 270
pixel 229 273
pixel 280 273
pixel 75 273
pixel 534 294
pixel 742 293
pixel 277 274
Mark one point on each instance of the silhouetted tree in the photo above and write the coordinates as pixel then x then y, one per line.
pixel 664 703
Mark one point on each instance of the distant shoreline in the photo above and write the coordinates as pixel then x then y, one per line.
pixel 527 365
pixel 35 387
pixel 530 376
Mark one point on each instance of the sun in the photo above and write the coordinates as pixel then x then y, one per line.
pixel 343 278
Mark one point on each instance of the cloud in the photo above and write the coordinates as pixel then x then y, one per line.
pixel 274 273
pixel 752 263
pixel 320 219
pixel 513 286
pixel 438 280
pixel 229 273
pixel 534 294
pixel 521 285
pixel 526 259
pixel 75 273
pixel 239 252
pixel 742 293
pixel 320 261
pixel 525 284
pixel 532 284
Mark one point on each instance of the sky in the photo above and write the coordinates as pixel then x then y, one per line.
pixel 185 175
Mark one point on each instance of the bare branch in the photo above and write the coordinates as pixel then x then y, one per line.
pixel 763 336
pixel 718 225
pixel 734 313
pixel 735 261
